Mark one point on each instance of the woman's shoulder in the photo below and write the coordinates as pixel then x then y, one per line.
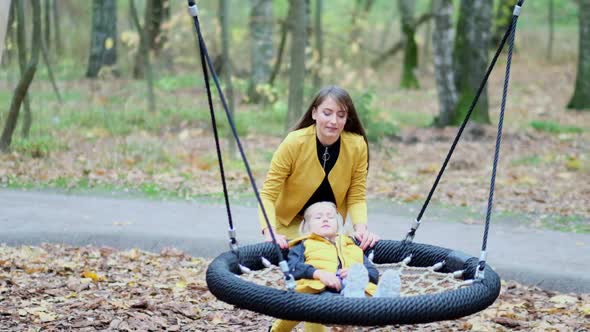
pixel 300 135
pixel 353 138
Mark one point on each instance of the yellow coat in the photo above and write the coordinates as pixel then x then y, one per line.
pixel 325 255
pixel 295 173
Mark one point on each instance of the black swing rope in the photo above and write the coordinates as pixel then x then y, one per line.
pixel 508 35
pixel 206 62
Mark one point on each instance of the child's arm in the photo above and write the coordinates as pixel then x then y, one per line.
pixel 297 266
pixel 373 272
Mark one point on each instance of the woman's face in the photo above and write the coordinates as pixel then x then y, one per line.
pixel 330 119
pixel 322 220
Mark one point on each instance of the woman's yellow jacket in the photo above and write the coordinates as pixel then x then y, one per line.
pixel 295 173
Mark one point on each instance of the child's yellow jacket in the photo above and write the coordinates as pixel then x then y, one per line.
pixel 322 254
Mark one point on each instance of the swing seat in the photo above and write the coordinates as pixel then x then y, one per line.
pixel 223 282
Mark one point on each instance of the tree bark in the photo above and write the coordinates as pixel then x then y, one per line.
pixel 261 21
pixel 47 23
pixel 57 28
pixel 227 66
pixel 45 54
pixel 472 42
pixel 6 15
pixel 502 21
pixel 297 70
pixel 146 59
pixel 103 43
pixel 581 98
pixel 153 18
pixel 442 41
pixel 408 27
pixel 551 19
pixel 22 62
pixel 25 81
pixel 319 46
pixel 285 29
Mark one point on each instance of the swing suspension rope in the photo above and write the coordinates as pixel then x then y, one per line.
pixel 508 35
pixel 207 66
pixel 206 62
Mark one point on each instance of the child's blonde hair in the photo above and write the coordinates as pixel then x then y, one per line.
pixel 304 226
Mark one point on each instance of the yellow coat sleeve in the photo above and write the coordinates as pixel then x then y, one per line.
pixel 280 169
pixel 356 198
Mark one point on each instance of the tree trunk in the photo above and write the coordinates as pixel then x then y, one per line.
pixel 103 43
pixel 551 19
pixel 153 17
pixel 47 23
pixel 6 15
pixel 502 21
pixel 25 81
pixel 471 58
pixel 57 28
pixel 22 62
pixel 227 66
pixel 297 70
pixel 146 59
pixel 319 46
pixel 428 33
pixel 261 21
pixel 409 80
pixel 442 41
pixel 286 26
pixel 581 98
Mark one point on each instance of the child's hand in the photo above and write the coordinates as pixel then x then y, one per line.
pixel 343 273
pixel 329 279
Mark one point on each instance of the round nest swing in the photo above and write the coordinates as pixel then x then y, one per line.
pixel 481 284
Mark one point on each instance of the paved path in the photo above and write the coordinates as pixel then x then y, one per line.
pixel 552 260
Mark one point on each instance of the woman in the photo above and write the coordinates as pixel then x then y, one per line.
pixel 325 158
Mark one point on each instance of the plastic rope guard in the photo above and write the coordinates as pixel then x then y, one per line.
pixel 223 283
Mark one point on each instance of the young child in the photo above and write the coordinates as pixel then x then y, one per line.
pixel 325 262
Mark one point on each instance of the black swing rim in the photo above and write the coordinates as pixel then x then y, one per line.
pixel 223 282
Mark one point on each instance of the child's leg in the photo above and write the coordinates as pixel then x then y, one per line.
pixel 314 327
pixel 283 325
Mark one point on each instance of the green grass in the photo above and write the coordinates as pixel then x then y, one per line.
pixel 574 224
pixel 527 160
pixel 554 127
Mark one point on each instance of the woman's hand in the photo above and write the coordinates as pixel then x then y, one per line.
pixel 366 238
pixel 329 279
pixel 281 239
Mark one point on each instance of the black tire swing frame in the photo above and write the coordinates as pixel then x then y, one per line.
pixel 222 274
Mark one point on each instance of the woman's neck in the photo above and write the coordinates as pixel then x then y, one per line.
pixel 326 141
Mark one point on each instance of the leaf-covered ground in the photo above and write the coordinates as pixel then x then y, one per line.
pixel 57 287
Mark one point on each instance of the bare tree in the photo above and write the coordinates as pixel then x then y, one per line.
pixel 25 81
pixel 146 58
pixel 57 28
pixel 407 9
pixel 286 26
pixel 581 98
pixel 227 65
pixel 472 42
pixel 442 41
pixel 154 15
pixel 261 21
pixel 551 20
pixel 103 43
pixel 297 70
pixel 319 45
pixel 47 23
pixel 22 62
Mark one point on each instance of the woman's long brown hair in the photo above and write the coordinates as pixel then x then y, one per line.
pixel 342 98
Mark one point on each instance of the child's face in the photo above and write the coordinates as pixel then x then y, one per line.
pixel 323 220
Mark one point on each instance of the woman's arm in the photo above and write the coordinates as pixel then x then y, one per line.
pixel 279 170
